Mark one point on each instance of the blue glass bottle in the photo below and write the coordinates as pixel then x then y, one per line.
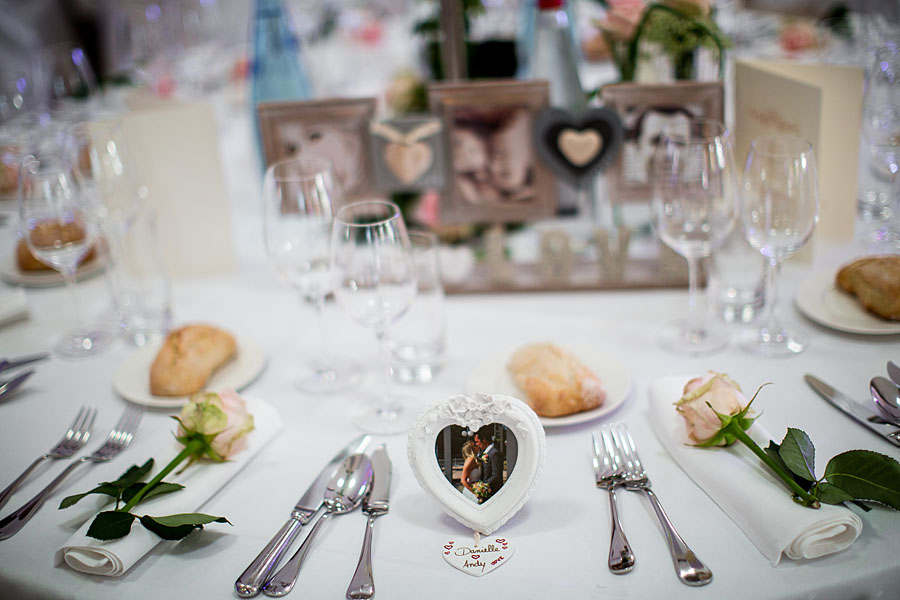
pixel 277 73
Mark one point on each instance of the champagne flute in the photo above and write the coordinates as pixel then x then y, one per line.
pixel 693 209
pixel 779 209
pixel 299 195
pixel 370 251
pixel 57 227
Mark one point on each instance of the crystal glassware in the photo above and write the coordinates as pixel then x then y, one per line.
pixel 56 224
pixel 693 209
pixel 779 210
pixel 376 284
pixel 107 175
pixel 71 85
pixel 299 196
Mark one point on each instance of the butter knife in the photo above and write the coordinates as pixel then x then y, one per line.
pixel 853 409
pixel 254 577
pixel 375 504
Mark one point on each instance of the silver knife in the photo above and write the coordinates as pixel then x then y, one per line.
pixel 375 504
pixel 853 409
pixel 21 361
pixel 254 577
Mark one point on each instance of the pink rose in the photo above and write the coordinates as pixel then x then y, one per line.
pixel 223 415
pixel 622 17
pixel 720 392
pixel 798 36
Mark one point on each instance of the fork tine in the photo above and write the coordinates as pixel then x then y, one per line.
pixel 76 423
pixel 632 450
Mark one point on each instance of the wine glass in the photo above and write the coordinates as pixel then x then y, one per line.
pixel 779 209
pixel 881 128
pixel 693 209
pixel 57 227
pixel 299 195
pixel 70 80
pixel 376 284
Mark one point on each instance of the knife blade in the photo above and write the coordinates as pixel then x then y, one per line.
pixel 21 361
pixel 254 576
pixel 375 504
pixel 853 409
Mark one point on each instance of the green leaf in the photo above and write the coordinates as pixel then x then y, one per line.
pixel 133 474
pixel 111 525
pixel 830 494
pixel 866 475
pixel 104 488
pixel 799 454
pixel 159 489
pixel 176 527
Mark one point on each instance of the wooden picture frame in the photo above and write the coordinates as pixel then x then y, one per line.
pixel 493 174
pixel 646 110
pixel 337 128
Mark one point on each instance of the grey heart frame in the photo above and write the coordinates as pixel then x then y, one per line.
pixel 550 123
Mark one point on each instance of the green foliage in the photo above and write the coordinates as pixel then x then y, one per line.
pixel 125 487
pixel 866 475
pixel 111 525
pixel 799 454
pixel 176 527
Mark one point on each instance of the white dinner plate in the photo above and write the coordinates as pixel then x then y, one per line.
pixel 492 377
pixel 50 278
pixel 132 377
pixel 819 298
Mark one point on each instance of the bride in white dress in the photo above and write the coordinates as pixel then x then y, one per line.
pixel 471 471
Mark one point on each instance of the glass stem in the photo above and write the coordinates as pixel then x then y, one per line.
pixel 72 284
pixel 695 322
pixel 772 269
pixel 322 359
pixel 386 409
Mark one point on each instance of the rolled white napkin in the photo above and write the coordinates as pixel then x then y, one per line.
pixel 201 481
pixel 746 490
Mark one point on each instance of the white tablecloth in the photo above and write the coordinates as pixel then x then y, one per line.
pixel 561 535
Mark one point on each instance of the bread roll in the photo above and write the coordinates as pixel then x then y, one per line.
pixel 875 281
pixel 555 382
pixel 188 357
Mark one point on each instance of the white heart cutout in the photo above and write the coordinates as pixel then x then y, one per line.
pixel 472 413
pixel 479 560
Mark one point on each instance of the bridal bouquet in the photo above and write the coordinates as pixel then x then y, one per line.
pixel 211 427
pixel 482 490
pixel 716 413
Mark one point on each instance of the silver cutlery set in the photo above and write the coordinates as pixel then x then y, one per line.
pixel 351 479
pixel 8 385
pixel 617 465
pixel 78 434
pixel 885 394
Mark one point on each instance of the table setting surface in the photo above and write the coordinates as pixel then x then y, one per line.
pixel 561 534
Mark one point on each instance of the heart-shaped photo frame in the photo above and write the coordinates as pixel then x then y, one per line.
pixel 515 420
pixel 577 146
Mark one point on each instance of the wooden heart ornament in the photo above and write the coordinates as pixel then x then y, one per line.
pixel 577 146
pixel 509 446
pixel 408 162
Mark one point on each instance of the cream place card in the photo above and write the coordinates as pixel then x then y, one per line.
pixel 822 103
pixel 175 146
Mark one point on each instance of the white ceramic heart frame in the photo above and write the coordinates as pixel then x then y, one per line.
pixel 472 413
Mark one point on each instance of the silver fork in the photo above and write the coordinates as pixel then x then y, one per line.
pixel 117 440
pixel 608 472
pixel 71 442
pixel 689 568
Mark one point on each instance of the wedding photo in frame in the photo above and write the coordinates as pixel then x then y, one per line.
pixel 493 172
pixel 336 128
pixel 647 110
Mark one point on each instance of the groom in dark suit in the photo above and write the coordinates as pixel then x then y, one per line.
pixel 492 471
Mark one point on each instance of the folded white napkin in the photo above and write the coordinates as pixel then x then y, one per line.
pixel 754 498
pixel 201 481
pixel 13 306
